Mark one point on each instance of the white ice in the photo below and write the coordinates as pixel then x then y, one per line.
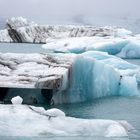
pixel 23 120
pixel 33 33
pixel 17 100
pixel 32 70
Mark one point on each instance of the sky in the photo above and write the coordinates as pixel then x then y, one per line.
pixel 97 12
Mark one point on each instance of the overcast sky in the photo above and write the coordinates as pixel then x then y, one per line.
pixel 69 11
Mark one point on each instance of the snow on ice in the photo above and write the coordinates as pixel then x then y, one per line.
pixel 52 122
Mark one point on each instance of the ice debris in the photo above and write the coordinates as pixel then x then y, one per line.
pixel 16 100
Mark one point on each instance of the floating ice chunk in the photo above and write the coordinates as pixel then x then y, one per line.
pixel 17 100
pixel 83 44
pixel 97 74
pixel 92 79
pixel 13 122
pixel 122 47
pixel 34 33
pixel 131 50
pixel 55 113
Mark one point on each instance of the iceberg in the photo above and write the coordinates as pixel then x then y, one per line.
pixel 34 71
pixel 71 77
pixel 53 122
pixel 127 47
pixel 21 30
pixel 97 74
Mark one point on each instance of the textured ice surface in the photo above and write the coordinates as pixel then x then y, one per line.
pixel 76 77
pixel 93 70
pixel 16 22
pixel 127 47
pixel 17 100
pixel 22 120
pixel 96 74
pixel 21 30
pixel 33 71
pixel 4 36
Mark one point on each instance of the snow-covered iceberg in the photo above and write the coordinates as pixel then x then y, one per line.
pixel 34 71
pixel 23 120
pixel 21 30
pixel 4 36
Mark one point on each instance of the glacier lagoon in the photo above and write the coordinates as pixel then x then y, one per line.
pixel 116 108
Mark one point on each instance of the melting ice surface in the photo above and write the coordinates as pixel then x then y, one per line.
pixel 24 120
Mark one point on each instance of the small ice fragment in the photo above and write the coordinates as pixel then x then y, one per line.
pixel 17 100
pixel 54 112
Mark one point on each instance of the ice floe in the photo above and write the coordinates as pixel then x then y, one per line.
pixel 127 47
pixel 21 30
pixel 23 120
